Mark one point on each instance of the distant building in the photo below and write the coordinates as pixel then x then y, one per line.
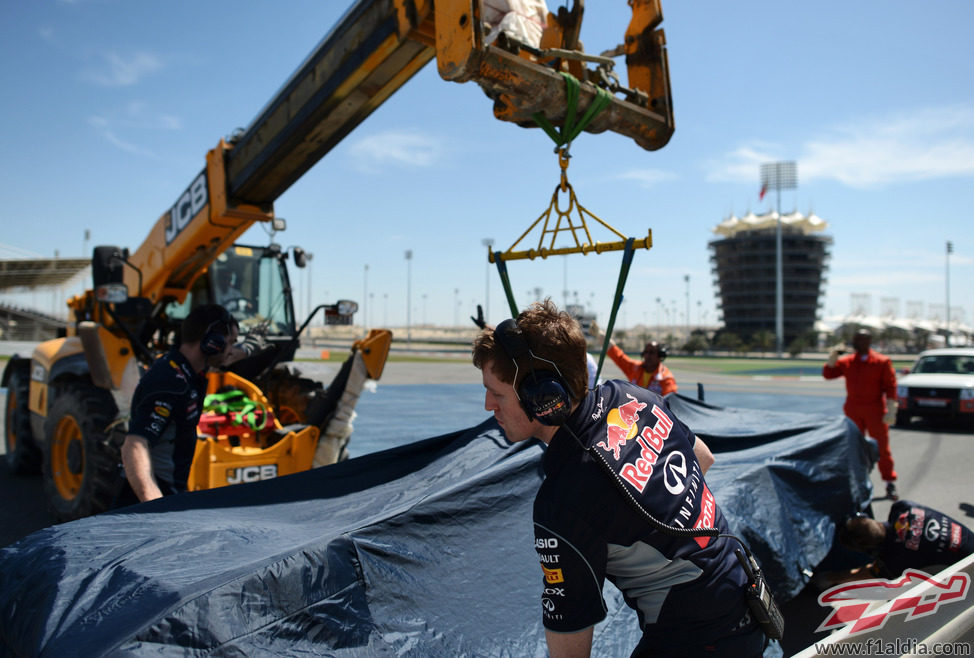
pixel 744 269
pixel 18 323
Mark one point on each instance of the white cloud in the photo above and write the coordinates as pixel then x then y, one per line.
pixel 396 148
pixel 124 71
pixel 104 127
pixel 137 114
pixel 647 178
pixel 137 118
pixel 742 164
pixel 925 144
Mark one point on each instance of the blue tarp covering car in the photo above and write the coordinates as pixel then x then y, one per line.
pixel 422 550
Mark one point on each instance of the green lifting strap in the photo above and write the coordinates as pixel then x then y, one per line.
pixel 628 252
pixel 506 282
pixel 235 401
pixel 627 255
pixel 570 129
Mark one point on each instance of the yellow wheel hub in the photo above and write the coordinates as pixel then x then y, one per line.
pixel 67 451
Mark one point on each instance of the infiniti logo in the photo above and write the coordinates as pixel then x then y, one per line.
pixel 675 473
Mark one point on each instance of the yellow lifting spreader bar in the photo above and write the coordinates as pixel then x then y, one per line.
pixel 579 247
pixel 627 245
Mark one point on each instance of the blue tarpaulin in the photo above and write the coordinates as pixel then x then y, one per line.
pixel 422 550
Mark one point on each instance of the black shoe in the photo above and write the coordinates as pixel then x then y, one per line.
pixel 891 492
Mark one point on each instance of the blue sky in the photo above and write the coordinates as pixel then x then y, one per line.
pixel 109 108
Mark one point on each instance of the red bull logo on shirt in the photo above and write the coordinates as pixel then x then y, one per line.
pixel 909 530
pixel 620 425
pixel 650 441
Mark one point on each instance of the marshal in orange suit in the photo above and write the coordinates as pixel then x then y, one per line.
pixel 870 383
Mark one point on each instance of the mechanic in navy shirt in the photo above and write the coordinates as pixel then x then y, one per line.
pixel 158 450
pixel 689 593
pixel 913 536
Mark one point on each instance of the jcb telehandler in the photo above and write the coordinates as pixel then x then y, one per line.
pixel 66 405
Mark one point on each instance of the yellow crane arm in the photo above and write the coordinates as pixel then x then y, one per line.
pixel 375 48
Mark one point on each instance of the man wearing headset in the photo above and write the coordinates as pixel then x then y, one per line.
pixel 158 449
pixel 613 454
pixel 649 372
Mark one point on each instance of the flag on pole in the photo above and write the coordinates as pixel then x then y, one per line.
pixel 764 190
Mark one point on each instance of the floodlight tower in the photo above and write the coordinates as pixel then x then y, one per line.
pixel 950 249
pixel 487 242
pixel 779 176
pixel 409 300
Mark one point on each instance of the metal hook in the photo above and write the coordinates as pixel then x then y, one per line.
pixel 563 158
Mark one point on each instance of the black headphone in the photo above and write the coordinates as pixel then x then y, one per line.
pixel 214 341
pixel 544 394
pixel 660 350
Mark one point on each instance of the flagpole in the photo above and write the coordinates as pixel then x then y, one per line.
pixel 950 248
pixel 779 175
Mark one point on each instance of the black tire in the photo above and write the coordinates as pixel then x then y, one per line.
pixel 902 419
pixel 298 399
pixel 294 398
pixel 81 467
pixel 23 455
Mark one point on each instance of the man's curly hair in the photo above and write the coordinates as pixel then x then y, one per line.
pixel 550 334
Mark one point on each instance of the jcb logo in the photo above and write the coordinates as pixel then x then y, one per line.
pixel 189 205
pixel 251 473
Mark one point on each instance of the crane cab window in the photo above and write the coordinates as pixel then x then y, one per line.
pixel 250 282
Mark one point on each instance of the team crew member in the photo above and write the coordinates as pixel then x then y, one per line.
pixel 650 372
pixel 913 536
pixel 689 593
pixel 870 383
pixel 158 449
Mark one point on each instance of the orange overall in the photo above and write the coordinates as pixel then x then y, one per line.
pixel 659 381
pixel 869 382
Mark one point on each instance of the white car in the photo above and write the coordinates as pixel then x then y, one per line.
pixel 940 384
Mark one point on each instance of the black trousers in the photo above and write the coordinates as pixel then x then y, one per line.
pixel 744 640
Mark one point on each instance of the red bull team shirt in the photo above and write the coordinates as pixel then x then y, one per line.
pixel 585 531
pixel 166 407
pixel 918 536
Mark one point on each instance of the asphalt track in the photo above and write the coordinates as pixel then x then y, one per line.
pixel 933 461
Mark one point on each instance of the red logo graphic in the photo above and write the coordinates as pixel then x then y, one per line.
pixel 858 598
pixel 621 425
pixel 708 514
pixel 650 442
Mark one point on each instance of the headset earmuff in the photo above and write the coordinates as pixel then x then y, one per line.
pixel 543 394
pixel 213 341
